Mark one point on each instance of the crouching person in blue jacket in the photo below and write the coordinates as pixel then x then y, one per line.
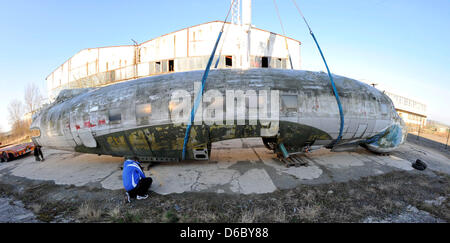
pixel 134 180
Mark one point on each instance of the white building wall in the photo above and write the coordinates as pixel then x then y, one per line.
pixel 189 49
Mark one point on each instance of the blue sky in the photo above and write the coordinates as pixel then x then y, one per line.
pixel 402 45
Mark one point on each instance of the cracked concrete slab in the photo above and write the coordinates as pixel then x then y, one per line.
pixel 241 166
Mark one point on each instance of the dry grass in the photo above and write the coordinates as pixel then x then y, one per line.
pixel 36 208
pixel 251 216
pixel 309 213
pixel 115 212
pixel 89 212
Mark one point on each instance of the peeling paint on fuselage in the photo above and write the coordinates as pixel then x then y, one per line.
pixel 108 120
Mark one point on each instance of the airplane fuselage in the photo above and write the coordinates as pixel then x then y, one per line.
pixel 148 117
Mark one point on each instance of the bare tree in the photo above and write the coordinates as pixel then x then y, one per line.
pixel 16 111
pixel 32 97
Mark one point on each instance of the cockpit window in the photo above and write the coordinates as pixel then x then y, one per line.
pixel 35 132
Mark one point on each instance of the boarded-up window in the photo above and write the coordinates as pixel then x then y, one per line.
pixel 157 67
pixel 164 67
pixel 278 62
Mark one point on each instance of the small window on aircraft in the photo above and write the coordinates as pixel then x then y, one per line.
pixel 143 110
pixel 228 61
pixel 115 116
pixel 264 62
pixel 171 66
pixel 35 133
pixel 289 102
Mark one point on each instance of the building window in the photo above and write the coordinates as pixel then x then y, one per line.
pixel 228 61
pixel 279 63
pixel 157 67
pixel 164 67
pixel 264 62
pixel 171 66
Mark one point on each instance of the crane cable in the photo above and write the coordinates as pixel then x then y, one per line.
pixel 202 88
pixel 284 33
pixel 341 113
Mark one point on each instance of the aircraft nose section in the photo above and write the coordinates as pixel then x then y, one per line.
pixel 394 137
pixel 389 140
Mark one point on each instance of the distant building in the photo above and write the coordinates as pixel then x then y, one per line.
pixel 438 126
pixel 241 46
pixel 411 111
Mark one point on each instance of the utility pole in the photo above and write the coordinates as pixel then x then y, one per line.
pixel 136 58
pixel 448 135
pixel 418 133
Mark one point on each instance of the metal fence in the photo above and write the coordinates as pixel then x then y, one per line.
pixel 438 136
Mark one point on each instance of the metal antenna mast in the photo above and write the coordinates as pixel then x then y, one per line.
pixel 236 12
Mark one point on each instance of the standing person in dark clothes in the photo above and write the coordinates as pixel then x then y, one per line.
pixel 134 180
pixel 38 153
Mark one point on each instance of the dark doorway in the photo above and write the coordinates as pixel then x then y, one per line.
pixel 264 62
pixel 228 61
pixel 171 66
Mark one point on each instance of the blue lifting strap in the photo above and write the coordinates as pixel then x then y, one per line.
pixel 341 112
pixel 202 88
pixel 199 96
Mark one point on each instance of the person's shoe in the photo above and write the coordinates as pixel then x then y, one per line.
pixel 142 197
pixel 127 197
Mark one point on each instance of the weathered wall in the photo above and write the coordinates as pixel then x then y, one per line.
pixel 412 112
pixel 189 49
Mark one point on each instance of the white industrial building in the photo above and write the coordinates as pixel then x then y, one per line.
pixel 411 111
pixel 241 46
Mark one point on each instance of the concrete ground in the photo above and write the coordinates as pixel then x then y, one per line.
pixel 240 166
pixel 243 182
